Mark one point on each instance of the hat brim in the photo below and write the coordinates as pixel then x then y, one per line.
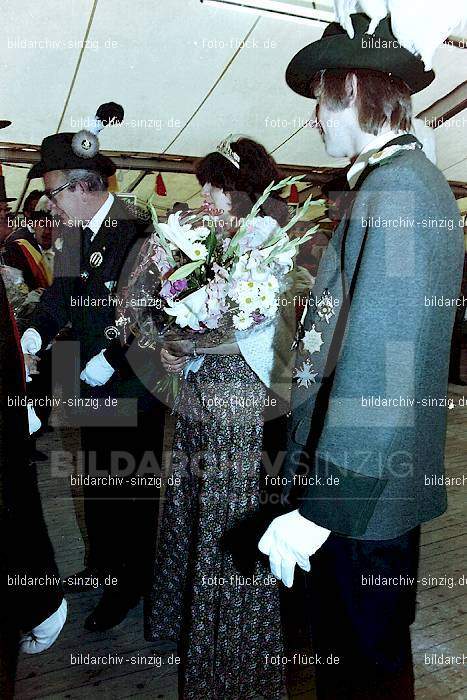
pixel 337 52
pixel 100 164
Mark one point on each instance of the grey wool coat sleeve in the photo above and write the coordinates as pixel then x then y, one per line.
pixel 371 451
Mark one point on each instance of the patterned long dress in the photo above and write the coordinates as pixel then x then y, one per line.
pixel 227 627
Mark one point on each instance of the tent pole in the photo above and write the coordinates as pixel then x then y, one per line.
pixel 21 197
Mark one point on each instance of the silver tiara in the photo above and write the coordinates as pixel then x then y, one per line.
pixel 224 149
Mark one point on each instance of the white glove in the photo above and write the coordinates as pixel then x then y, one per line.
pixel 34 421
pixel 44 635
pixel 291 539
pixel 26 374
pixel 31 342
pixel 97 371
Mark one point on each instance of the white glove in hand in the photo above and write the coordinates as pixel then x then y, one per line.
pixel 97 371
pixel 33 419
pixel 291 539
pixel 44 635
pixel 31 342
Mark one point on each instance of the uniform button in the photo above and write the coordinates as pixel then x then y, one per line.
pixel 111 333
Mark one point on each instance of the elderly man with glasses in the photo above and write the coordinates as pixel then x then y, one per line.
pixel 101 238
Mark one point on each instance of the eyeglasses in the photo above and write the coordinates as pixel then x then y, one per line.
pixel 51 194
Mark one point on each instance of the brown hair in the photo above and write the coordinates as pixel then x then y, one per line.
pixel 257 168
pixel 245 184
pixel 381 98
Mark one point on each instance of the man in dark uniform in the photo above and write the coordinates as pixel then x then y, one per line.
pixel 366 437
pixel 124 435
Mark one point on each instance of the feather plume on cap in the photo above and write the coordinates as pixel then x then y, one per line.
pixel 419 26
pixel 85 142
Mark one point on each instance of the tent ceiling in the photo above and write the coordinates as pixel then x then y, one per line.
pixel 179 67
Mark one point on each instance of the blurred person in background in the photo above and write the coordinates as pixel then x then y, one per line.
pixel 34 609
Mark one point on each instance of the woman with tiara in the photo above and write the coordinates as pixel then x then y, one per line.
pixel 226 623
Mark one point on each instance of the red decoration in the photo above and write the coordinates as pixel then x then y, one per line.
pixel 293 196
pixel 160 186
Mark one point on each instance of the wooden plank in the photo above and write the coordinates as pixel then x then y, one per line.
pixel 432 614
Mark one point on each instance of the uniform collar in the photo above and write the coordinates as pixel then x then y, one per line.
pixel 360 163
pixel 97 220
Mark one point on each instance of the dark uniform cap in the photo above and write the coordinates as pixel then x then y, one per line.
pixel 57 154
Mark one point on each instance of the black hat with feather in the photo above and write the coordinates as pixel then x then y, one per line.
pixel 335 50
pixel 67 151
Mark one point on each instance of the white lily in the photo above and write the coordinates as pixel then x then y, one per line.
pixel 185 238
pixel 190 311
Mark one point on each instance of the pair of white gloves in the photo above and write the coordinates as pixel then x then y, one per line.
pixel 44 635
pixel 96 373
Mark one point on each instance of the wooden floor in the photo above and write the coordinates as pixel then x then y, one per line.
pixel 440 627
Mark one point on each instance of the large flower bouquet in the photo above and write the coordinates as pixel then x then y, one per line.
pixel 191 281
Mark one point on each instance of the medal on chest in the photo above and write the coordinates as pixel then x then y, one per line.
pixel 95 261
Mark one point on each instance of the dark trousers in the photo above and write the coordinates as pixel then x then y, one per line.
pixel 29 551
pixel 455 358
pixel 121 518
pixel 365 624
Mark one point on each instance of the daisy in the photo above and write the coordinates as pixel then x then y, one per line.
pixel 242 321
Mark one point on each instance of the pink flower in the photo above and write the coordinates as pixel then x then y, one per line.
pixel 166 291
pixel 259 230
pixel 170 290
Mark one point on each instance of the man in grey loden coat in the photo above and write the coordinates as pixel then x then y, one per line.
pixel 366 435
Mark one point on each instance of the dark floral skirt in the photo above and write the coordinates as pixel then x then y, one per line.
pixel 227 624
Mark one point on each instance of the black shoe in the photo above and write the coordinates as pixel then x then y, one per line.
pixel 84 580
pixel 110 611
